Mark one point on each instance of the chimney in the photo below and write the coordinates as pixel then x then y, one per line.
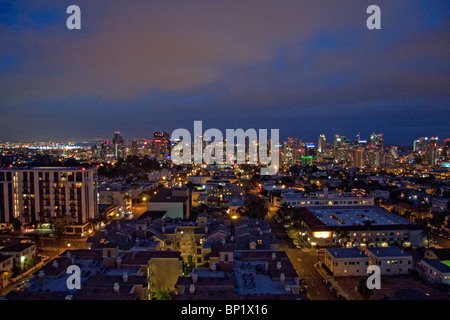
pixel 282 281
pixel 287 289
pixel 194 277
pixel 278 265
pixel 125 277
pixel 274 255
pixel 116 287
pixel 192 289
pixel 41 276
pixel 55 264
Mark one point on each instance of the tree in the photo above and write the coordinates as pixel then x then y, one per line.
pixel 17 225
pixel 255 208
pixel 162 295
pixel 188 266
pixel 59 224
pixel 426 234
pixel 364 291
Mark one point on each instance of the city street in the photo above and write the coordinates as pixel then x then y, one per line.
pixel 303 261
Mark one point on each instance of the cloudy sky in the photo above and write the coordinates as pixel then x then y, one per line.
pixel 302 66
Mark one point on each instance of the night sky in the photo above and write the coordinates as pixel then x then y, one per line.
pixel 304 67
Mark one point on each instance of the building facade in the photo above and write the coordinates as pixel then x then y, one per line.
pixel 34 194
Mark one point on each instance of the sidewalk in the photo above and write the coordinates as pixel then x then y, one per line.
pixel 14 282
pixel 327 277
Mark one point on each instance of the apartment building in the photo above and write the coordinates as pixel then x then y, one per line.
pixel 38 193
pixel 391 260
pixel 343 262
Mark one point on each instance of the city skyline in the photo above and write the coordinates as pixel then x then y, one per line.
pixel 303 67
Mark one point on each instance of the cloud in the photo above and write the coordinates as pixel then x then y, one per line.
pixel 168 60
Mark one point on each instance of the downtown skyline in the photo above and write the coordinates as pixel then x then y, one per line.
pixel 302 67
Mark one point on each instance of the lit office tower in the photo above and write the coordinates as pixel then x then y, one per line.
pixel 358 158
pixel 36 194
pixel 118 144
pixel 432 151
pixel 377 140
pixel 421 144
pixel 322 143
pixel 337 140
pixel 160 145
pixel 446 149
pixel 134 148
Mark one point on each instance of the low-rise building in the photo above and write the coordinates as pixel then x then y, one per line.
pixel 24 254
pixel 240 275
pixel 391 260
pixel 175 201
pixel 342 262
pixel 435 272
pixel 359 226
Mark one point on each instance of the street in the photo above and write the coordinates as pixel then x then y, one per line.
pixel 303 261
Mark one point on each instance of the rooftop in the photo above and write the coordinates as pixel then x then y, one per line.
pixel 346 253
pixel 165 195
pixel 18 247
pixel 357 216
pixel 384 252
pixel 438 265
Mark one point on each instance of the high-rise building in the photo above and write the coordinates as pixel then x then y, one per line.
pixel 358 158
pixel 32 194
pixel 376 140
pixel 118 144
pixel 321 145
pixel 432 151
pixel 446 149
pixel 160 145
pixel 134 148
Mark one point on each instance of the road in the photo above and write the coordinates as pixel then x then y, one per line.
pixel 441 241
pixel 303 261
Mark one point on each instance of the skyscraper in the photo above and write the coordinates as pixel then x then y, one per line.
pixel 432 151
pixel 134 148
pixel 322 143
pixel 446 149
pixel 160 145
pixel 118 144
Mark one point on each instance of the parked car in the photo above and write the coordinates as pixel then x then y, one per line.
pixel 334 291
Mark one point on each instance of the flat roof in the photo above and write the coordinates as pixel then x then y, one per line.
pixel 357 216
pixel 165 195
pixel 347 253
pixel 18 247
pixel 438 265
pixel 388 252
